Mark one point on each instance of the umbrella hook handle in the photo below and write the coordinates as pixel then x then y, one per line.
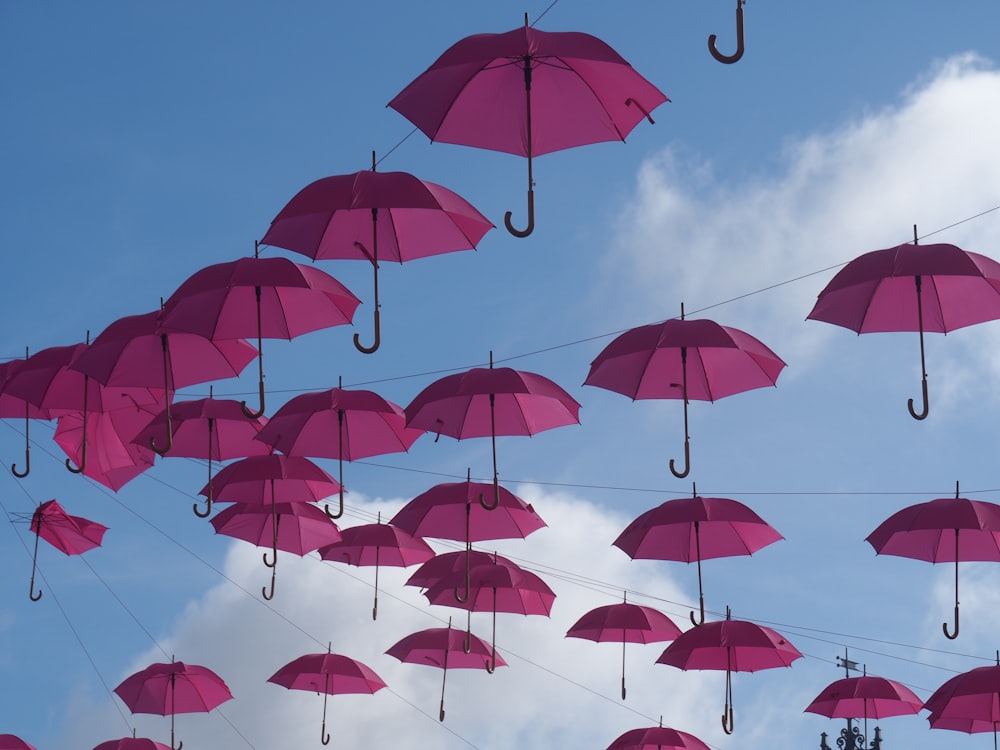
pixel 269 595
pixel 378 338
pixel 728 724
pixel 909 403
pixel 531 218
pixel 496 498
pixel 687 462
pixel 730 59
pixel 340 510
pixel 700 620
pixel 944 626
pixel 208 508
pixel 83 443
pixel 32 593
pixel 27 448
pixel 247 411
pixel 324 736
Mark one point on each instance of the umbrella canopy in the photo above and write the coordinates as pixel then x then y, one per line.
pixel 375 544
pixel 375 216
pixel 342 424
pixel 330 674
pixel 528 92
pixel 623 623
pixel 132 743
pixel 444 648
pixel 943 530
pixel 968 702
pixel 262 297
pixel 684 359
pixel 446 563
pixel 13 742
pixel 174 688
pixel 102 445
pixel 12 406
pixel 865 697
pixel 274 477
pixel 657 738
pixel 71 535
pixel 936 288
pixel 733 646
pixel 692 529
pixel 492 401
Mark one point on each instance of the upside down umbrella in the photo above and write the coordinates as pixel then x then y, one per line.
pixel 444 648
pixel 271 298
pixel 528 92
pixel 623 623
pixel 174 688
pixel 692 529
pixel 330 674
pixel 733 646
pixel 933 288
pixel 943 530
pixel 684 359
pixel 71 535
pixel 373 216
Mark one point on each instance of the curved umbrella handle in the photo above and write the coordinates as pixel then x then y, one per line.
pixel 33 593
pixel 340 511
pixel 531 218
pixel 83 451
pixel 496 498
pixel 208 509
pixel 730 59
pixel 324 736
pixel 378 337
pixel 269 595
pixel 944 626
pixel 701 617
pixel 909 403
pixel 727 720
pixel 247 411
pixel 27 465
pixel 687 461
pixel 34 564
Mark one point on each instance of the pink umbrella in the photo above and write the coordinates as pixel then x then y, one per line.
pixel 969 726
pixel 444 648
pixel 694 529
pixel 657 738
pixel 528 92
pixel 342 424
pixel 623 623
pixel 934 288
pixel 733 646
pixel 12 406
pixel 376 215
pixel 863 697
pixel 12 742
pixel 264 297
pixel 174 688
pixel 501 401
pixel 263 479
pixel 330 674
pixel 968 702
pixel 215 429
pixel 375 544
pixel 446 563
pixel 71 535
pixel 132 743
pixel 684 359
pixel 926 531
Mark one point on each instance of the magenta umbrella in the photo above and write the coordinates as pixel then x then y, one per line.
pixel 102 446
pixel 930 531
pixel 446 563
pixel 342 424
pixel 375 544
pixel 71 535
pixel 684 359
pixel 623 623
pixel 910 287
pixel 657 738
pixel 132 743
pixel 733 646
pixel 210 428
pixel 969 726
pixel 692 529
pixel 174 688
pixel 444 648
pixel 13 742
pixel 264 297
pixel 968 702
pixel 865 696
pixel 374 216
pixel 528 92
pixel 488 401
pixel 330 674
pixel 12 406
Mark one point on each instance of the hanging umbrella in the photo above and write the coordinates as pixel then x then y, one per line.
pixel 490 402
pixel 446 563
pixel 931 531
pixel 692 529
pixel 330 674
pixel 623 623
pixel 733 646
pixel 71 535
pixel 969 726
pixel 933 288
pixel 132 743
pixel 209 428
pixel 863 697
pixel 174 688
pixel 15 407
pixel 968 702
pixel 375 544
pixel 262 479
pixel 684 359
pixel 528 93
pixel 342 424
pixel 13 742
pixel 444 648
pixel 373 216
pixel 657 738
pixel 264 297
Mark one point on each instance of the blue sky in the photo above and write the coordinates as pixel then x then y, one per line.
pixel 143 142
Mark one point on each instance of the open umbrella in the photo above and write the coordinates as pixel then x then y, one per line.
pixel 968 702
pixel 528 92
pixel 375 544
pixel 444 648
pixel 623 623
pixel 943 530
pixel 174 688
pixel 373 216
pixel 445 563
pixel 132 743
pixel 13 742
pixel 102 444
pixel 692 529
pixel 657 738
pixel 733 646
pixel 342 424
pixel 684 359
pixel 489 402
pixel 264 297
pixel 16 407
pixel 330 674
pixel 934 288
pixel 71 535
